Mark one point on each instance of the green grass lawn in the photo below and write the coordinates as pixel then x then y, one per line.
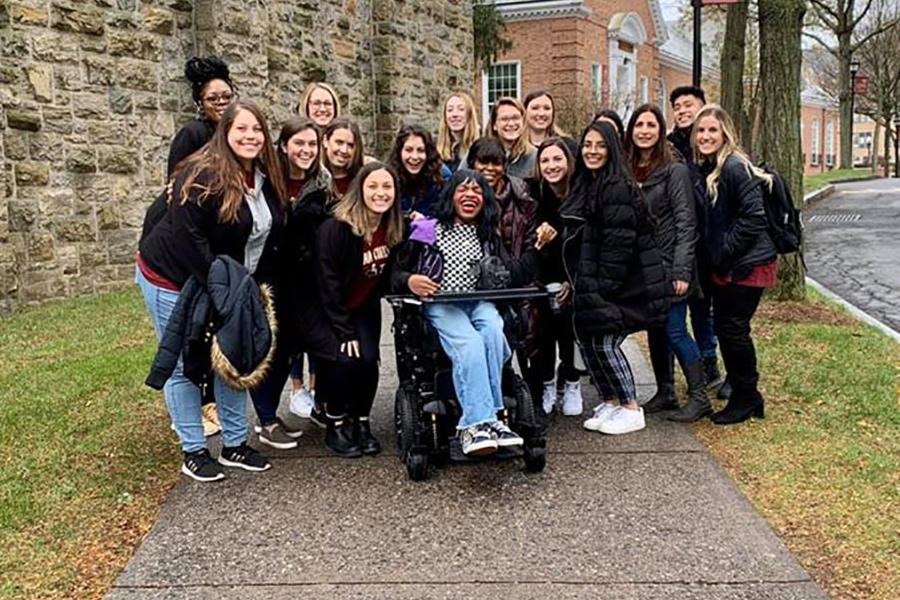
pixel 87 452
pixel 812 183
pixel 824 466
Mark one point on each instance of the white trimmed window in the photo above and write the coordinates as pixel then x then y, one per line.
pixel 814 142
pixel 829 143
pixel 597 83
pixel 645 90
pixel 661 99
pixel 500 79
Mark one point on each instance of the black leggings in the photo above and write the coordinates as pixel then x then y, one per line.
pixel 556 328
pixel 347 386
pixel 733 308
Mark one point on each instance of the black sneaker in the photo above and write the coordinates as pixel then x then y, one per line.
pixel 318 417
pixel 244 457
pixel 477 441
pixel 277 436
pixel 505 436
pixel 200 466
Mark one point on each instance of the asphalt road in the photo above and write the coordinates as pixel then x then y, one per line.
pixel 853 246
pixel 646 516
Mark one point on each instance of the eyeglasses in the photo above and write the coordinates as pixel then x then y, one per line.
pixel 225 98
pixel 593 146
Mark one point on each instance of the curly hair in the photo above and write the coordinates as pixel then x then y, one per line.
pixel 430 174
pixel 200 71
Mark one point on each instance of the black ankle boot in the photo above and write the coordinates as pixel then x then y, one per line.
pixel 339 438
pixel 362 434
pixel 740 408
pixel 698 405
pixel 664 399
pixel 724 392
pixel 713 377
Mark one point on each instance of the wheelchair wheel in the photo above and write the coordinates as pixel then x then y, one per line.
pixel 525 416
pixel 417 466
pixel 535 458
pixel 406 421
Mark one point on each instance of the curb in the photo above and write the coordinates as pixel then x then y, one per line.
pixel 822 192
pixel 854 310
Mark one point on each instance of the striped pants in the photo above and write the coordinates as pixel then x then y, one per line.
pixel 609 367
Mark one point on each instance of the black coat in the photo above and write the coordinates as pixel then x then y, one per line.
pixel 190 138
pixel 338 259
pixel 296 262
pixel 189 236
pixel 669 197
pixel 226 324
pixel 616 269
pixel 736 234
pixel 549 205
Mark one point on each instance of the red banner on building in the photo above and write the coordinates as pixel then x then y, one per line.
pixel 861 85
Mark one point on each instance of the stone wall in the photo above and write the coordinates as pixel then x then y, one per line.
pixel 91 93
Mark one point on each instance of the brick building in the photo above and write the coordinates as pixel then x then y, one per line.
pixel 590 54
pixel 820 133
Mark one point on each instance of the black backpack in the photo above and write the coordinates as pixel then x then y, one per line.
pixel 785 223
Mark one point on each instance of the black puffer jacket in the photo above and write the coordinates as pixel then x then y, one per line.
pixel 617 271
pixel 296 261
pixel 668 195
pixel 226 324
pixel 736 229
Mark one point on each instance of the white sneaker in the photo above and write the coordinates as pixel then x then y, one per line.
pixel 602 412
pixel 302 402
pixel 549 396
pixel 573 404
pixel 624 420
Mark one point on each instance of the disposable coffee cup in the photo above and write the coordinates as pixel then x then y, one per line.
pixel 554 289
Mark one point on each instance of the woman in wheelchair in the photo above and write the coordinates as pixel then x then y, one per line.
pixel 446 254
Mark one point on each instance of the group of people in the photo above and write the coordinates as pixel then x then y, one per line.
pixel 264 249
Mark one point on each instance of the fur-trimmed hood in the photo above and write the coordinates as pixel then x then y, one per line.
pixel 227 326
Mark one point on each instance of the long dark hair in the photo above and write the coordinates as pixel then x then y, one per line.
pixel 608 113
pixel 292 127
pixel 489 219
pixel 615 165
pixel 219 170
pixel 430 174
pixel 570 163
pixel 356 162
pixel 661 155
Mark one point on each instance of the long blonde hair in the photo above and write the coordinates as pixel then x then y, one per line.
pixel 445 142
pixel 730 147
pixel 522 145
pixel 351 209
pixel 303 105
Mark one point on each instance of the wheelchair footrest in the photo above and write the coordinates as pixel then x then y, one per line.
pixel 456 454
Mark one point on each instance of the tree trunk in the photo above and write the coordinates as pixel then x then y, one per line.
pixel 873 149
pixel 731 66
pixel 780 27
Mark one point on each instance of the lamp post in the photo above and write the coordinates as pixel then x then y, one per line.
pixel 698 48
pixel 854 69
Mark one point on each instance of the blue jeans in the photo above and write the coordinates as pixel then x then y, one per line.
pixel 680 340
pixel 702 325
pixel 182 395
pixel 471 334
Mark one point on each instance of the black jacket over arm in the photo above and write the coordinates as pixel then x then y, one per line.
pixel 736 232
pixel 190 138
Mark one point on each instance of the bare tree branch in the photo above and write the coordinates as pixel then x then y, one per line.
pixel 854 22
pixel 819 6
pixel 821 41
pixel 877 31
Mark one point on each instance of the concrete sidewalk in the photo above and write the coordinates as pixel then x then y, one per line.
pixel 647 516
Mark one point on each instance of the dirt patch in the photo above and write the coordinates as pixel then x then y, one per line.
pixel 809 312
